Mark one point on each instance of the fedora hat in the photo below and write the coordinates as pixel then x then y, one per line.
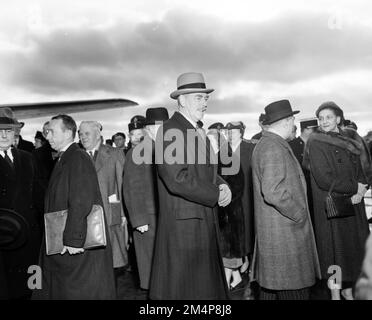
pixel 8 120
pixel 278 110
pixel 138 118
pixel 156 114
pixel 190 82
pixel 14 229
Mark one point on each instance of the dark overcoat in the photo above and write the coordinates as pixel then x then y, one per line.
pixel 187 258
pixel 285 256
pixel 89 275
pixel 16 193
pixel 231 217
pixel 339 241
pixel 246 151
pixel 141 200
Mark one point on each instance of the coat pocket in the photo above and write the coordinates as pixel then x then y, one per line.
pixel 188 213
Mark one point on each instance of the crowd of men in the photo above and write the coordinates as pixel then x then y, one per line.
pixel 166 192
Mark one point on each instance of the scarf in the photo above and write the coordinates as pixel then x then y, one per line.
pixel 347 139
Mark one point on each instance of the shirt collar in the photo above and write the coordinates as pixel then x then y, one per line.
pixel 8 152
pixel 95 148
pixel 194 124
pixel 66 147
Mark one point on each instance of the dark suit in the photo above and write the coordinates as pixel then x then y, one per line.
pixel 25 145
pixel 44 164
pixel 187 259
pixel 16 193
pixel 141 195
pixel 89 275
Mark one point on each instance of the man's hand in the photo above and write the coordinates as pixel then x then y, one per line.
pixel 225 195
pixel 356 198
pixel 72 250
pixel 143 229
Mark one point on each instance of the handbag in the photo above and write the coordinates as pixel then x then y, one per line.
pixel 55 223
pixel 338 206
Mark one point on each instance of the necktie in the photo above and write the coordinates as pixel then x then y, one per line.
pixel 7 159
pixel 91 154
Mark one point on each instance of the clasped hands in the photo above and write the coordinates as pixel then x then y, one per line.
pixel 72 250
pixel 225 195
pixel 358 197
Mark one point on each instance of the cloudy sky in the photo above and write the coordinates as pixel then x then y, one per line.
pixel 251 53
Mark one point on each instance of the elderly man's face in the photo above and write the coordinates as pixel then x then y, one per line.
pixel 89 136
pixel 195 105
pixel 6 138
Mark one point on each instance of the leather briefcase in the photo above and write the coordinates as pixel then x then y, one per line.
pixel 55 223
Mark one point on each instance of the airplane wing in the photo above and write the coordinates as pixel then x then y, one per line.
pixel 46 109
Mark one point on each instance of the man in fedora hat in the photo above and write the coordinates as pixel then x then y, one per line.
pixel 136 133
pixel 16 193
pixel 285 258
pixel 141 195
pixel 187 258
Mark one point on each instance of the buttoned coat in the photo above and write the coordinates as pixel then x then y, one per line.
pixel 141 200
pixel 285 256
pixel 109 164
pixel 16 193
pixel 187 260
pixel 340 241
pixel 89 275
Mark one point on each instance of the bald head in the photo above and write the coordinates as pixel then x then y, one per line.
pixel 90 134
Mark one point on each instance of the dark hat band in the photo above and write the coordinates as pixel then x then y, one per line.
pixel 196 85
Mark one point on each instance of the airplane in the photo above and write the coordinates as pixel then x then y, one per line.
pixel 46 109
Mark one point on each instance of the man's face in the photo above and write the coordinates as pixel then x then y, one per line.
pixel 195 105
pixel 119 142
pixel 234 135
pixel 6 138
pixel 136 136
pixel 89 137
pixel 58 136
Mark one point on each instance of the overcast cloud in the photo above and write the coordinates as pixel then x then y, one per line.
pixel 117 49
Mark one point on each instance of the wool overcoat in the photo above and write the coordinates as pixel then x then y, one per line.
pixel 285 256
pixel 16 193
pixel 340 241
pixel 187 260
pixel 89 275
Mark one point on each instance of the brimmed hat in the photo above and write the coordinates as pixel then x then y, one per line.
pixel 138 118
pixel 8 120
pixel 309 123
pixel 278 110
pixel 156 114
pixel 235 125
pixel 190 82
pixel 14 229
pixel 135 125
pixel 216 125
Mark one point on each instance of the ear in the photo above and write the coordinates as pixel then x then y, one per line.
pixel 338 120
pixel 182 100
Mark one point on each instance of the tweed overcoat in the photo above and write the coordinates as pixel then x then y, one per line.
pixel 285 256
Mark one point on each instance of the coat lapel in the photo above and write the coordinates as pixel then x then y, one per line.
pixel 102 157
